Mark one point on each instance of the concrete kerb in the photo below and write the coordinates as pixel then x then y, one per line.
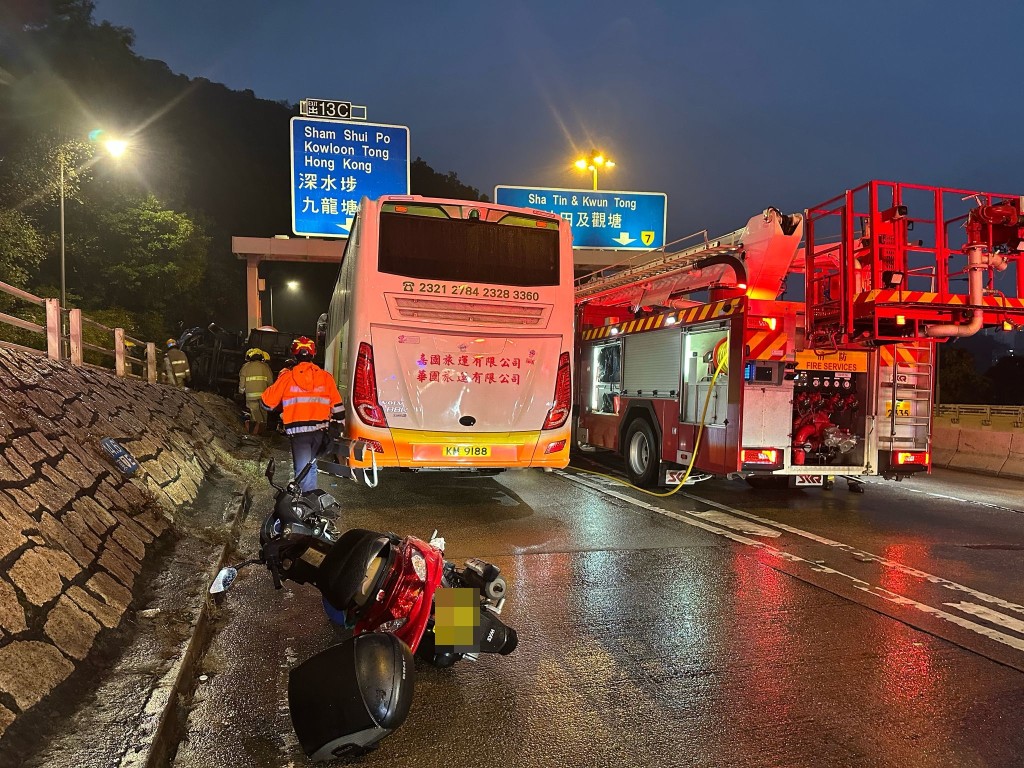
pixel 169 725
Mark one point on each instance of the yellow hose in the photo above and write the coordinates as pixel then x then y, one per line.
pixel 696 445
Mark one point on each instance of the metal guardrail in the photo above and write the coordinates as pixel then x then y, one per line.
pixel 62 331
pixel 988 413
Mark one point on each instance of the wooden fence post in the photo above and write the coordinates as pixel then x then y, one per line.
pixel 53 329
pixel 150 362
pixel 119 351
pixel 75 332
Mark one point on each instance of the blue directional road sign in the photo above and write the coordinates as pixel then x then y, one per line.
pixel 624 221
pixel 336 163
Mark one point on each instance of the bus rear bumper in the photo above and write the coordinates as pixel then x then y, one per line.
pixel 415 449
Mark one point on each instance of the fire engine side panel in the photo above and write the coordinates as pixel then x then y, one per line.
pixel 719 443
pixel 651 364
pixel 768 417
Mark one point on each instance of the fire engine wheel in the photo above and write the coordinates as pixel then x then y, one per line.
pixel 641 454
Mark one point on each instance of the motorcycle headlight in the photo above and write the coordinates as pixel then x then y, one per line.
pixel 419 564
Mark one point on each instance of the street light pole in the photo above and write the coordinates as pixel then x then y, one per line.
pixel 115 148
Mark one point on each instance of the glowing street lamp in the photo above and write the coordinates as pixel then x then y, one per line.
pixel 593 162
pixel 116 147
pixel 291 285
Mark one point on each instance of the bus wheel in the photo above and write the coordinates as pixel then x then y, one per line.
pixel 641 454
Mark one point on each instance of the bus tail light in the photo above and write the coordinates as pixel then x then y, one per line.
pixel 563 395
pixel 364 389
pixel 555 447
pixel 373 445
pixel 911 458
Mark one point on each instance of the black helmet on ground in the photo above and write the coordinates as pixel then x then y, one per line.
pixel 347 698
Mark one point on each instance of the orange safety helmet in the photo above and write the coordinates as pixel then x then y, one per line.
pixel 303 346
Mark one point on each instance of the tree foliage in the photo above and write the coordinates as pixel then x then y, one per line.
pixel 21 247
pixel 424 180
pixel 959 382
pixel 144 258
pixel 1007 380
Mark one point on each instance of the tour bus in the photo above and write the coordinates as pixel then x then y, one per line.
pixel 450 334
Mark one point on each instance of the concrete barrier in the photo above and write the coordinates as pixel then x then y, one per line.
pixel 1014 465
pixel 984 451
pixel 945 440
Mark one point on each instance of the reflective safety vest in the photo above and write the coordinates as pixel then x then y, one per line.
pixel 176 363
pixel 254 377
pixel 307 396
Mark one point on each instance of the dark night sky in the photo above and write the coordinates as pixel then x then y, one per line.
pixel 728 107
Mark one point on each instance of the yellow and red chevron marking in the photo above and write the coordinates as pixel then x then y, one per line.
pixel 696 314
pixel 904 354
pixel 766 344
pixel 890 296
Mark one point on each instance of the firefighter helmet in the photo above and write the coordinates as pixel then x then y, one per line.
pixel 303 346
pixel 171 343
pixel 256 354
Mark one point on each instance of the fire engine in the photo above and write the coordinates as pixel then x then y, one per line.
pixel 799 348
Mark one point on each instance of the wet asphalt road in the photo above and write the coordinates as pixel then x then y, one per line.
pixel 724 627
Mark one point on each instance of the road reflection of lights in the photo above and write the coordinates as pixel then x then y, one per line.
pixel 907 670
pixel 913 554
pixel 762 596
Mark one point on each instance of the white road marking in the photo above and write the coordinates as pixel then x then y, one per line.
pixel 737 524
pixel 989 615
pixel 864 556
pixel 946 496
pixel 878 592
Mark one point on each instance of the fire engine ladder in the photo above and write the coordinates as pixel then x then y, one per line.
pixel 658 264
pixel 909 390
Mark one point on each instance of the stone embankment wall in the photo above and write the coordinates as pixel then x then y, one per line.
pixel 73 531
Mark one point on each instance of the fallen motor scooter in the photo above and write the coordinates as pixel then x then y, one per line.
pixel 347 698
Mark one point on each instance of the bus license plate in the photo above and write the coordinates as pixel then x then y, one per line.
pixel 466 451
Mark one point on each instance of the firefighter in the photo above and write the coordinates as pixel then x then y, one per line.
pixel 176 365
pixel 311 408
pixel 254 377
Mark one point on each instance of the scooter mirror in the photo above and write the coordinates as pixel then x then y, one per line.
pixel 269 473
pixel 225 578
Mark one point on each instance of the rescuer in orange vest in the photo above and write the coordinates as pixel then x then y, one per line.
pixel 311 407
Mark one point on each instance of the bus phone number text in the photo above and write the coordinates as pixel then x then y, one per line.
pixel 470 290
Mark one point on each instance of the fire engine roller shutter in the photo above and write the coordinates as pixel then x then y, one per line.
pixel 651 362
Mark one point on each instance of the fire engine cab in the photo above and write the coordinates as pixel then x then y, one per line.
pixel 800 347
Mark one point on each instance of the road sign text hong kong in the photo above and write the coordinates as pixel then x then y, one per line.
pixel 335 164
pixel 631 221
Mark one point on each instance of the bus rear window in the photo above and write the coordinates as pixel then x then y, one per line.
pixel 467 250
